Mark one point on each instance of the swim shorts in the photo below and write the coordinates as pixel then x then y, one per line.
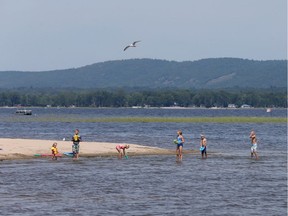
pixel 254 148
pixel 180 144
pixel 75 148
pixel 203 151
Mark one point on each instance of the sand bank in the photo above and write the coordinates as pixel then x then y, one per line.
pixel 27 148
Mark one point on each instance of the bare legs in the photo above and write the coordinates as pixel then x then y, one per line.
pixel 179 154
pixel 119 153
pixel 254 153
pixel 204 153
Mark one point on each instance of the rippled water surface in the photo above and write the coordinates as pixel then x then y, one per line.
pixel 229 182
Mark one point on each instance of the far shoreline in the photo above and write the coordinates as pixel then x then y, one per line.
pixel 140 107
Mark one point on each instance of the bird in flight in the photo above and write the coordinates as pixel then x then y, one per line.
pixel 131 45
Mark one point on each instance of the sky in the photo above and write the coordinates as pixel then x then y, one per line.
pixel 37 35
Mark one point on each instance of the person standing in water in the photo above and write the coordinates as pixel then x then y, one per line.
pixel 179 148
pixel 203 146
pixel 76 139
pixel 254 144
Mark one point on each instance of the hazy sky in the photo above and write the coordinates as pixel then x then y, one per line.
pixel 59 34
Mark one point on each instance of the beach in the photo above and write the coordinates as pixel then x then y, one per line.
pixel 27 148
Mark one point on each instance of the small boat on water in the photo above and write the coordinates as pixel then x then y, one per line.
pixel 24 112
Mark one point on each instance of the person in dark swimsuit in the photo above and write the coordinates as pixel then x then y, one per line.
pixel 203 146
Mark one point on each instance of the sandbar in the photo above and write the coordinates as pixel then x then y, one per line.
pixel 27 148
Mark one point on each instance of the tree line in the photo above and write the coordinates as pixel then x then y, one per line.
pixel 153 98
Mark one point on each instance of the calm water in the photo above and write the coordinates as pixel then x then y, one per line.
pixel 227 183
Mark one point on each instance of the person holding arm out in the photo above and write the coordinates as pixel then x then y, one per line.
pixel 179 147
pixel 254 144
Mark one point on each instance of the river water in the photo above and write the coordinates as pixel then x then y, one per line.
pixel 229 182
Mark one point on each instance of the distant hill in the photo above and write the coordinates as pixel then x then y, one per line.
pixel 151 73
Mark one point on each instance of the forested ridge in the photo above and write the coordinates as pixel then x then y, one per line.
pixel 151 82
pixel 215 73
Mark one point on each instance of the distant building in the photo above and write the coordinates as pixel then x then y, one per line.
pixel 246 106
pixel 232 106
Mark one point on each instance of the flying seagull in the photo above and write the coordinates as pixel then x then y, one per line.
pixel 131 45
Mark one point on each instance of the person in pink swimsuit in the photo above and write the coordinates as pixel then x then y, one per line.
pixel 121 150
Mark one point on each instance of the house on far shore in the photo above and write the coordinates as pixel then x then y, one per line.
pixel 232 106
pixel 246 106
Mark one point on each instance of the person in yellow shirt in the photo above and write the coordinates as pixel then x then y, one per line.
pixel 76 139
pixel 54 151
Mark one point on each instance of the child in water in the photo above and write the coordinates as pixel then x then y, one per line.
pixel 54 151
pixel 179 148
pixel 203 145
pixel 76 139
pixel 122 147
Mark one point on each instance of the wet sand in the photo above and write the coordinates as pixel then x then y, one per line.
pixel 27 148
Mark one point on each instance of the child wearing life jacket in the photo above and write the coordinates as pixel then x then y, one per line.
pixel 54 151
pixel 76 139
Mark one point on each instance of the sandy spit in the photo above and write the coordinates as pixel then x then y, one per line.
pixel 27 148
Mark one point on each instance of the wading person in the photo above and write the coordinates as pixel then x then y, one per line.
pixel 254 144
pixel 179 147
pixel 203 146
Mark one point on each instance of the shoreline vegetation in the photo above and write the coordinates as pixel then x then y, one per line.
pixel 134 97
pixel 192 119
pixel 230 119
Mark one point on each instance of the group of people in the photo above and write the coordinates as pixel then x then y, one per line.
pixel 180 141
pixel 203 145
pixel 76 139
